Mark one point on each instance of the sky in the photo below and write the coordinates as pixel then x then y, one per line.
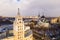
pixel 30 7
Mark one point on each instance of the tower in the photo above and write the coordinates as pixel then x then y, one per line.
pixel 20 30
pixel 18 27
pixel 38 16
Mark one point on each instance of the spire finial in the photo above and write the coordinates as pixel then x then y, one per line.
pixel 18 12
pixel 39 14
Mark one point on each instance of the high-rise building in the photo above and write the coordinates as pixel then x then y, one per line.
pixel 20 31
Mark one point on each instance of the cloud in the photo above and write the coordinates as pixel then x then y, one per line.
pixel 49 7
pixel 30 7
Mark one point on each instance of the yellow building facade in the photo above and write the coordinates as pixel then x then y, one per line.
pixel 54 20
pixel 20 31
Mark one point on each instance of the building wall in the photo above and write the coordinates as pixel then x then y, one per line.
pixel 9 38
pixel 54 20
pixel 30 37
pixel 2 35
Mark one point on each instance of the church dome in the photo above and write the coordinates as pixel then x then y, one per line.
pixel 43 16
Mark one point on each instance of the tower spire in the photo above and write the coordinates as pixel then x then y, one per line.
pixel 18 12
pixel 38 14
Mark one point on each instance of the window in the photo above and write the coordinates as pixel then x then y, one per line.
pixel 20 22
pixel 19 19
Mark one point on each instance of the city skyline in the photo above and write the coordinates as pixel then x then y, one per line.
pixel 30 7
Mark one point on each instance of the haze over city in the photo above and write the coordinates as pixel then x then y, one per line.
pixel 29 19
pixel 30 7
